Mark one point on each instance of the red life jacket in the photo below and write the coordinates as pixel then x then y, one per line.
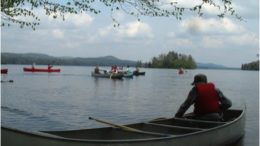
pixel 114 70
pixel 207 99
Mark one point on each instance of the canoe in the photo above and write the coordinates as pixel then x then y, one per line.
pixel 164 132
pixel 108 75
pixel 128 75
pixel 138 73
pixel 26 69
pixel 4 71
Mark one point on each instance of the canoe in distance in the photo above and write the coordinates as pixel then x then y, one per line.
pixel 108 75
pixel 138 73
pixel 26 69
pixel 164 132
pixel 4 71
pixel 128 75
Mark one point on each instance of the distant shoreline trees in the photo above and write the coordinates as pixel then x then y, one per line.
pixel 172 60
pixel 43 59
pixel 250 66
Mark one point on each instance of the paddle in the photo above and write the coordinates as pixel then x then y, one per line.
pixel 11 81
pixel 127 128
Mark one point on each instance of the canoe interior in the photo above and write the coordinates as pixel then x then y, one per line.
pixel 191 123
pixel 108 133
pixel 230 115
pixel 172 127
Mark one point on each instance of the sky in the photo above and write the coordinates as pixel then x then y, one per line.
pixel 207 39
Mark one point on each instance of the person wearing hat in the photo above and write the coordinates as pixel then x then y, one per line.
pixel 209 102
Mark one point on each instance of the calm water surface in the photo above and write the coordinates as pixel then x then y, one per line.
pixel 63 101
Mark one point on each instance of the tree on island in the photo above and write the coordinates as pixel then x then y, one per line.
pixel 22 12
pixel 172 60
pixel 250 66
pixel 254 65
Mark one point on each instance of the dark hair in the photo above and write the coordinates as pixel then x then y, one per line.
pixel 199 78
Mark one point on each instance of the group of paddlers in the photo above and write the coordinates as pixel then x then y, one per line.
pixel 115 69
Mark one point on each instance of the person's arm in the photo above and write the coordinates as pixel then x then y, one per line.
pixel 225 103
pixel 187 103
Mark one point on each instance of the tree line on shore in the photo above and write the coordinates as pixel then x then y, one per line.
pixel 43 59
pixel 171 60
pixel 254 65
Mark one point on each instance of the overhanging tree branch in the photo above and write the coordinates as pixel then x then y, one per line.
pixel 13 10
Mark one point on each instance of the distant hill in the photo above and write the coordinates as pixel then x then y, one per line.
pixel 212 66
pixel 43 59
pixel 209 65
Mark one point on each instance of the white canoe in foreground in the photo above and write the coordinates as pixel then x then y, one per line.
pixel 166 132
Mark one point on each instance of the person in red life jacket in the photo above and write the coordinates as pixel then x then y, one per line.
pixel 114 69
pixel 209 102
pixel 49 66
pixel 97 70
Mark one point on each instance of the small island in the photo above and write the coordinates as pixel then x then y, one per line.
pixel 254 65
pixel 172 60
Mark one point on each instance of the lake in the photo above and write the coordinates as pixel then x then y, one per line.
pixel 65 100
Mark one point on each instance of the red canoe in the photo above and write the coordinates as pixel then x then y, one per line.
pixel 40 70
pixel 4 71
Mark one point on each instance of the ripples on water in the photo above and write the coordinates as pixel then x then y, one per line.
pixel 62 101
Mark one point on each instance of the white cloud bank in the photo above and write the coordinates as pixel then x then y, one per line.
pixel 78 20
pixel 57 33
pixel 130 30
pixel 198 25
pixel 81 19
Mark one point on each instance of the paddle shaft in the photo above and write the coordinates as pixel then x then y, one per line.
pixel 127 128
pixel 115 125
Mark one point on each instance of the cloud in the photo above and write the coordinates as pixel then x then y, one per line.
pixel 199 25
pixel 183 42
pixel 247 9
pixel 171 34
pixel 57 33
pixel 130 30
pixel 79 20
pixel 212 42
pixel 119 16
pixel 246 39
pixel 210 9
pixel 136 28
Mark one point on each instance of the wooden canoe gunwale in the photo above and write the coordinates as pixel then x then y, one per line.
pixel 171 137
pixel 177 127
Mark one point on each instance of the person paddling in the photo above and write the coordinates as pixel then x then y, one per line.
pixel 96 70
pixel 209 102
pixel 49 66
